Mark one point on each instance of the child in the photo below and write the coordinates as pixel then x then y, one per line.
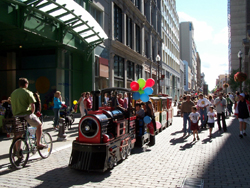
pixel 139 111
pixel 210 120
pixel 194 117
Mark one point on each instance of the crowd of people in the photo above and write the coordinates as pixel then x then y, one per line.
pixel 213 108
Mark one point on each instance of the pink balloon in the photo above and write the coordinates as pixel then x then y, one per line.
pixel 134 86
pixel 150 82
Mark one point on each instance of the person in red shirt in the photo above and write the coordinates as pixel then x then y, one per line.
pixel 120 100
pixel 87 103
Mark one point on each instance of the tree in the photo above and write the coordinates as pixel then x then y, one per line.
pixel 233 85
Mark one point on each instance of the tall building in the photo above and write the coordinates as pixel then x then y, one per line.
pixel 239 30
pixel 188 50
pixel 134 41
pixel 171 48
pixel 198 60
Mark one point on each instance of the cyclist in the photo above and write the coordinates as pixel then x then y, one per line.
pixel 23 104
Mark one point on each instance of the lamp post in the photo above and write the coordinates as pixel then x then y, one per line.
pixel 240 58
pixel 158 59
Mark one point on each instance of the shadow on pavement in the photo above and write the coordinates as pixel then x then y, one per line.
pixel 179 140
pixel 187 146
pixel 177 132
pixel 65 177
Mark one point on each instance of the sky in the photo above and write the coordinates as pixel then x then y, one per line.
pixel 209 19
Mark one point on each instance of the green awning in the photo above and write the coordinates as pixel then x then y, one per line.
pixel 67 12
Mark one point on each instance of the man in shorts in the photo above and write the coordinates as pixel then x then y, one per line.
pixel 23 104
pixel 242 113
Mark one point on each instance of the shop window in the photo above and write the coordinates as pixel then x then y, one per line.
pixel 129 32
pixel 138 71
pixel 130 70
pixel 119 66
pixel 118 23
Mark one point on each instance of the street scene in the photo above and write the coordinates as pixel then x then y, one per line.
pixel 124 93
pixel 220 162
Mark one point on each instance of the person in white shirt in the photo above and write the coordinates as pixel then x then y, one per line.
pixel 194 118
pixel 210 120
pixel 202 106
pixel 220 104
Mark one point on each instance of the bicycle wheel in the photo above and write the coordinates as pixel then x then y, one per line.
pixel 47 141
pixel 19 153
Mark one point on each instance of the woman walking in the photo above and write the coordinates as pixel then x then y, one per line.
pixel 81 106
pixel 87 103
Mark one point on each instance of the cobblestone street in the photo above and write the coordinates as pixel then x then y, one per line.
pixel 222 161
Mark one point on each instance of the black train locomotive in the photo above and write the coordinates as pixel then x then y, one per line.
pixel 107 134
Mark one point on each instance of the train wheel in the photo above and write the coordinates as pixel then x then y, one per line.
pixel 123 152
pixel 128 148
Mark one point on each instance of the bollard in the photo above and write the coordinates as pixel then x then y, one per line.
pixel 61 133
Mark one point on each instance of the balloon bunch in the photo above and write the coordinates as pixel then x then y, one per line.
pixel 142 89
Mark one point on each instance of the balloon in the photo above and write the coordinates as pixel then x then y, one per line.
pixel 136 95
pixel 75 102
pixel 134 86
pixel 141 91
pixel 148 90
pixel 141 82
pixel 147 119
pixel 144 97
pixel 150 82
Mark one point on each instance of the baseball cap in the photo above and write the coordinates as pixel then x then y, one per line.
pixel 242 94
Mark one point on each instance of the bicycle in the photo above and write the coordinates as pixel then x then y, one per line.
pixel 25 143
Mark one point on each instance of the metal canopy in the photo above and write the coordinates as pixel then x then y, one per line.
pixel 67 12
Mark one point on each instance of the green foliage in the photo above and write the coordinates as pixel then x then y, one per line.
pixel 247 85
pixel 233 85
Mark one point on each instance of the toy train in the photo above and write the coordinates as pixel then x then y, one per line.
pixel 107 134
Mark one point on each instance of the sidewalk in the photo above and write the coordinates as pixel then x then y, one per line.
pixel 221 162
pixel 47 127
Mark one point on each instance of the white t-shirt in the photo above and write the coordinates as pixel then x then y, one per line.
pixel 202 103
pixel 210 116
pixel 194 117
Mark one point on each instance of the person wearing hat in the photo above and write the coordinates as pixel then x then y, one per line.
pixel 221 104
pixel 242 113
pixel 202 105
pixel 186 109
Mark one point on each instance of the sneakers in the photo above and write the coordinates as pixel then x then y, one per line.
pixel 241 136
pixel 245 134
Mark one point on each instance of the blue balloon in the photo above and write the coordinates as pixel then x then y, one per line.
pixel 147 119
pixel 148 90
pixel 136 95
pixel 144 97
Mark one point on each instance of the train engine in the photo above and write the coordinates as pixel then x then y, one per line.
pixel 106 135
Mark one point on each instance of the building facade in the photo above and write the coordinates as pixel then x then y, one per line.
pixel 188 51
pixel 170 48
pixel 199 81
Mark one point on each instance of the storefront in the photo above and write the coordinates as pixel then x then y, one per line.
pixel 52 44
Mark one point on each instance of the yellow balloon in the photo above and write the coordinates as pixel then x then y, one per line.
pixel 75 102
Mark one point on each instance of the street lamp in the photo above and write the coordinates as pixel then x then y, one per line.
pixel 158 59
pixel 240 58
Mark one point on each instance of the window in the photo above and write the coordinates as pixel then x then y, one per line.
pixel 130 70
pixel 129 32
pixel 80 2
pixel 97 14
pixel 118 23
pixel 167 74
pixel 138 72
pixel 119 66
pixel 138 39
pixel 138 4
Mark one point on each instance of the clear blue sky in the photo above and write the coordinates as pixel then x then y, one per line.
pixel 210 32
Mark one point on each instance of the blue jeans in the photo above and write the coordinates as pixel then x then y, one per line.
pixel 185 119
pixel 203 112
pixel 57 116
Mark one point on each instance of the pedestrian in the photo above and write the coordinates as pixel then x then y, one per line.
pixel 220 104
pixel 229 105
pixel 242 113
pixel 150 112
pixel 186 109
pixel 56 109
pixel 87 103
pixel 125 104
pixel 194 118
pixel 81 106
pixel 202 106
pixel 139 111
pixel 246 96
pixel 120 100
pixel 236 99
pixel 210 120
pixel 7 105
